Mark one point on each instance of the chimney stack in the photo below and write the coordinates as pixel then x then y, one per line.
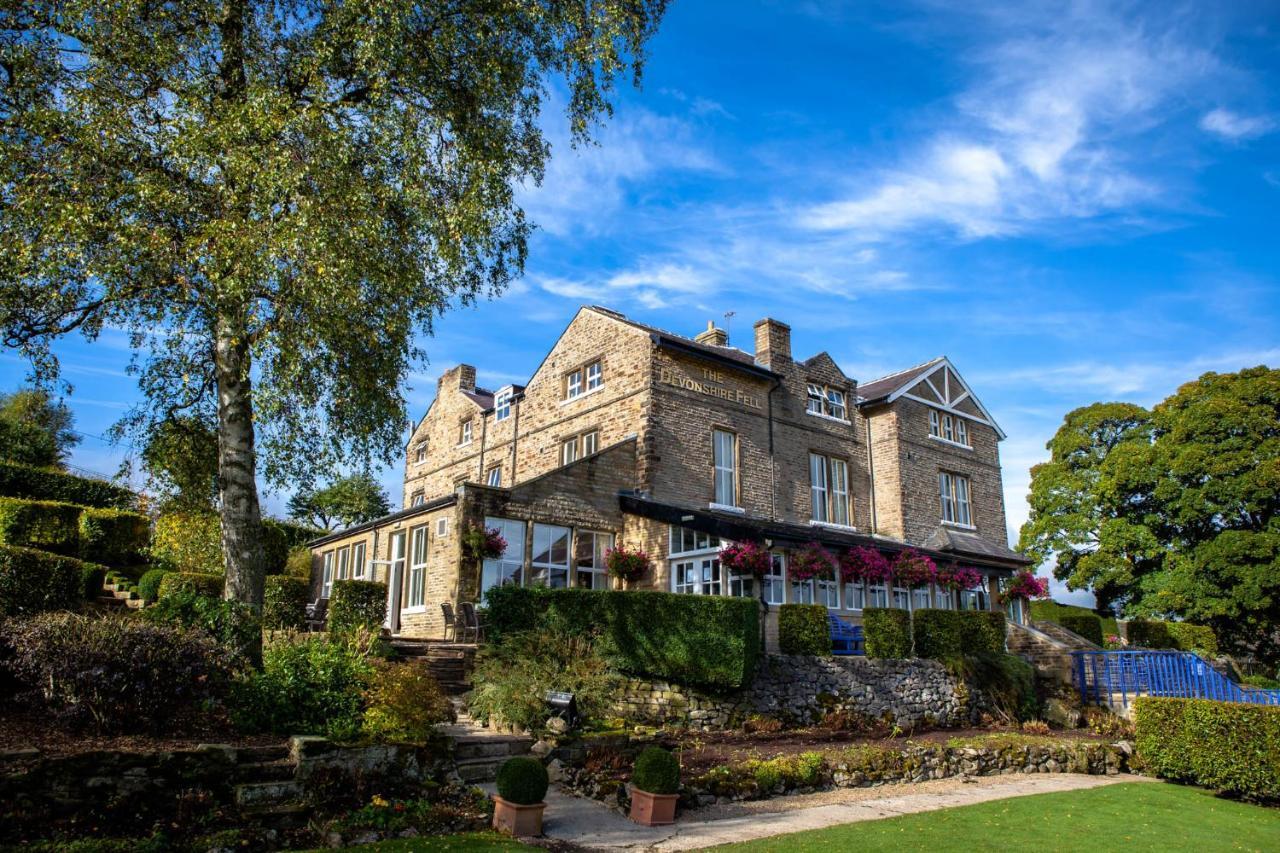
pixel 713 336
pixel 460 378
pixel 773 343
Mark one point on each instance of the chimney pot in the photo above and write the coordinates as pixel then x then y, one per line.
pixel 773 343
pixel 713 336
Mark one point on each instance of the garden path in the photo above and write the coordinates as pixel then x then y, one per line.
pixel 592 825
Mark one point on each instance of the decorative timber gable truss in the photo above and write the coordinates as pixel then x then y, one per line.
pixel 935 383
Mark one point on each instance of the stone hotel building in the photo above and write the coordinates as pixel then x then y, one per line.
pixel 626 434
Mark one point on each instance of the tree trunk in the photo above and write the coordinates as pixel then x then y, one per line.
pixel 237 482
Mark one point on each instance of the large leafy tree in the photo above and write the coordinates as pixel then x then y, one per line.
pixel 1172 512
pixel 273 198
pixel 180 458
pixel 35 428
pixel 346 501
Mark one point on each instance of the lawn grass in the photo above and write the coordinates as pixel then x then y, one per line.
pixel 1128 817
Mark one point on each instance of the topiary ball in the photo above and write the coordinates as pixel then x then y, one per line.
pixel 656 772
pixel 522 780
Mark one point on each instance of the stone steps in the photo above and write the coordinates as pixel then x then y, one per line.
pixel 478 755
pixel 450 664
pixel 1050 657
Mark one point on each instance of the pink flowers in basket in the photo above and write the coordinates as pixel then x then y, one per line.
pixel 812 561
pixel 865 564
pixel 626 564
pixel 746 558
pixel 959 578
pixel 1025 585
pixel 911 568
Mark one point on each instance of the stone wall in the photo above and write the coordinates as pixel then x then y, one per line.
pixel 800 688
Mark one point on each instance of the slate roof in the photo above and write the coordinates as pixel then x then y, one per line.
pixel 878 389
pixel 948 540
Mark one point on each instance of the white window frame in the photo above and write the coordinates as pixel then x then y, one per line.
pixel 507 568
pixel 703 575
pixel 878 595
pixel 827 592
pixel 775 581
pixel 594 373
pixel 855 596
pixel 962 431
pixel 573 388
pixel 494 476
pixel 344 562
pixel 415 593
pixel 835 404
pixel 954 495
pixel 818 492
pixel 676 541
pixel 464 437
pixel 921 598
pixel 801 592
pixel 591 563
pixel 724 474
pixel 569 450
pixel 502 405
pixel 417 498
pixel 943 598
pixel 829 500
pixel 975 599
pixel 590 443
pixel 326 586
pixel 815 399
pixel 823 401
pixel 935 424
pixel 358 562
pixel 420 453
pixel 548 572
pixel 900 598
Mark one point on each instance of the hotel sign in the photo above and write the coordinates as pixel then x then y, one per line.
pixel 711 383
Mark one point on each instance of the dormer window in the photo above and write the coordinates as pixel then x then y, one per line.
pixel 589 377
pixel 502 405
pixel 948 428
pixel 826 401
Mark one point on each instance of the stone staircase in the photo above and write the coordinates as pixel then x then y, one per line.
pixel 479 752
pixel 449 663
pixel 1050 656
pixel 266 785
pixel 1066 636
pixel 116 596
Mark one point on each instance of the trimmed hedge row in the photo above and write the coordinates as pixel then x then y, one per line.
pixel 149 584
pixel 32 581
pixel 200 583
pixel 712 641
pixel 803 630
pixel 356 604
pixel 192 542
pixel 1087 625
pixel 1172 635
pixel 112 537
pixel 48 484
pixel 937 634
pixel 91 580
pixel 1229 747
pixel 284 603
pixel 1047 610
pixel 886 632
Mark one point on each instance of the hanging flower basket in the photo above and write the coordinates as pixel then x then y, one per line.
pixel 626 564
pixel 482 543
pixel 1025 585
pixel 812 561
pixel 961 578
pixel 746 558
pixel 865 564
pixel 911 568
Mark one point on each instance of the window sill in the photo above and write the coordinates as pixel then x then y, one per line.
pixel 827 417
pixel 596 390
pixel 463 444
pixel 960 526
pixel 831 525
pixel 949 442
pixel 736 510
pixel 411 611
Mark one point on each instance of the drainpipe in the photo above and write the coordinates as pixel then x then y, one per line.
pixel 484 432
pixel 871 472
pixel 515 434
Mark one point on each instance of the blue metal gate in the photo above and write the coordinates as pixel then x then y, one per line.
pixel 1105 677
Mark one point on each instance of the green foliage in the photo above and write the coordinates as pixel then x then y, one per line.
pixel 33 581
pixel 46 525
pixel 1007 681
pixel 36 429
pixel 1087 625
pixel 1147 634
pixel 512 677
pixel 284 603
pixel 522 780
pixel 149 584
pixel 344 502
pixel 114 537
pixel 1178 505
pixel 693 639
pixel 180 457
pixel 656 772
pixel 803 630
pixel 1262 682
pixel 116 673
pixel 941 634
pixel 309 685
pixel 982 631
pixel 198 583
pixel 232 624
pixel 1048 610
pixel 1228 747
pixel 299 563
pixel 91 579
pixel 47 484
pixel 188 541
pixel 404 704
pixel 355 605
pixel 887 632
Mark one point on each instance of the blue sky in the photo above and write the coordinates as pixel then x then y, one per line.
pixel 1075 202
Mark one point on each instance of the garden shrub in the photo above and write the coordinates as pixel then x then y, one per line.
pixel 92 577
pixel 522 780
pixel 284 603
pixel 1232 748
pixel 404 703
pixel 115 673
pixel 308 685
pixel 114 537
pixel 938 633
pixel 46 525
pixel 50 484
pixel 299 563
pixel 512 677
pixel 33 581
pixel 149 584
pixel 981 631
pixel 1047 610
pixel 1262 682
pixel 231 623
pixel 803 630
pixel 657 771
pixel 1185 636
pixel 1007 681
pixel 199 583
pixel 357 604
pixel 188 542
pixel 1087 625
pixel 712 641
pixel 887 632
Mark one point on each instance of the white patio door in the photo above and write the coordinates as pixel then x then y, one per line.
pixel 395 582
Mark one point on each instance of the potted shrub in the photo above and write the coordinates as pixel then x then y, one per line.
pixel 517 807
pixel 655 782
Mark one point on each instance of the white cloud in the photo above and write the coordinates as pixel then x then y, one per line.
pixel 1234 126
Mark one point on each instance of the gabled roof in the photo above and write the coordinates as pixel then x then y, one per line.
pixel 947 393
pixel 736 357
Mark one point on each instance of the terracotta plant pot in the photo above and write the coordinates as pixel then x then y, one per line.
pixel 516 819
pixel 653 809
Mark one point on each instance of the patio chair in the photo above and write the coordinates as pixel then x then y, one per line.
pixel 317 614
pixel 846 639
pixel 450 621
pixel 470 621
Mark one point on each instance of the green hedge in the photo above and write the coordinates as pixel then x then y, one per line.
pixel 1087 625
pixel 803 630
pixel 983 632
pixel 692 639
pixel 91 580
pixel 1229 747
pixel 33 581
pixel 1172 635
pixel 887 632
pixel 114 537
pixel 44 525
pixel 284 603
pixel 149 584
pixel 1047 610
pixel 192 542
pixel 200 583
pixel 940 634
pixel 357 604
pixel 48 484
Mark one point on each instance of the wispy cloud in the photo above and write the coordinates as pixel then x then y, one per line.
pixel 1235 127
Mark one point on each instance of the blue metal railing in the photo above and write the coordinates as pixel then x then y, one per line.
pixel 1105 677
